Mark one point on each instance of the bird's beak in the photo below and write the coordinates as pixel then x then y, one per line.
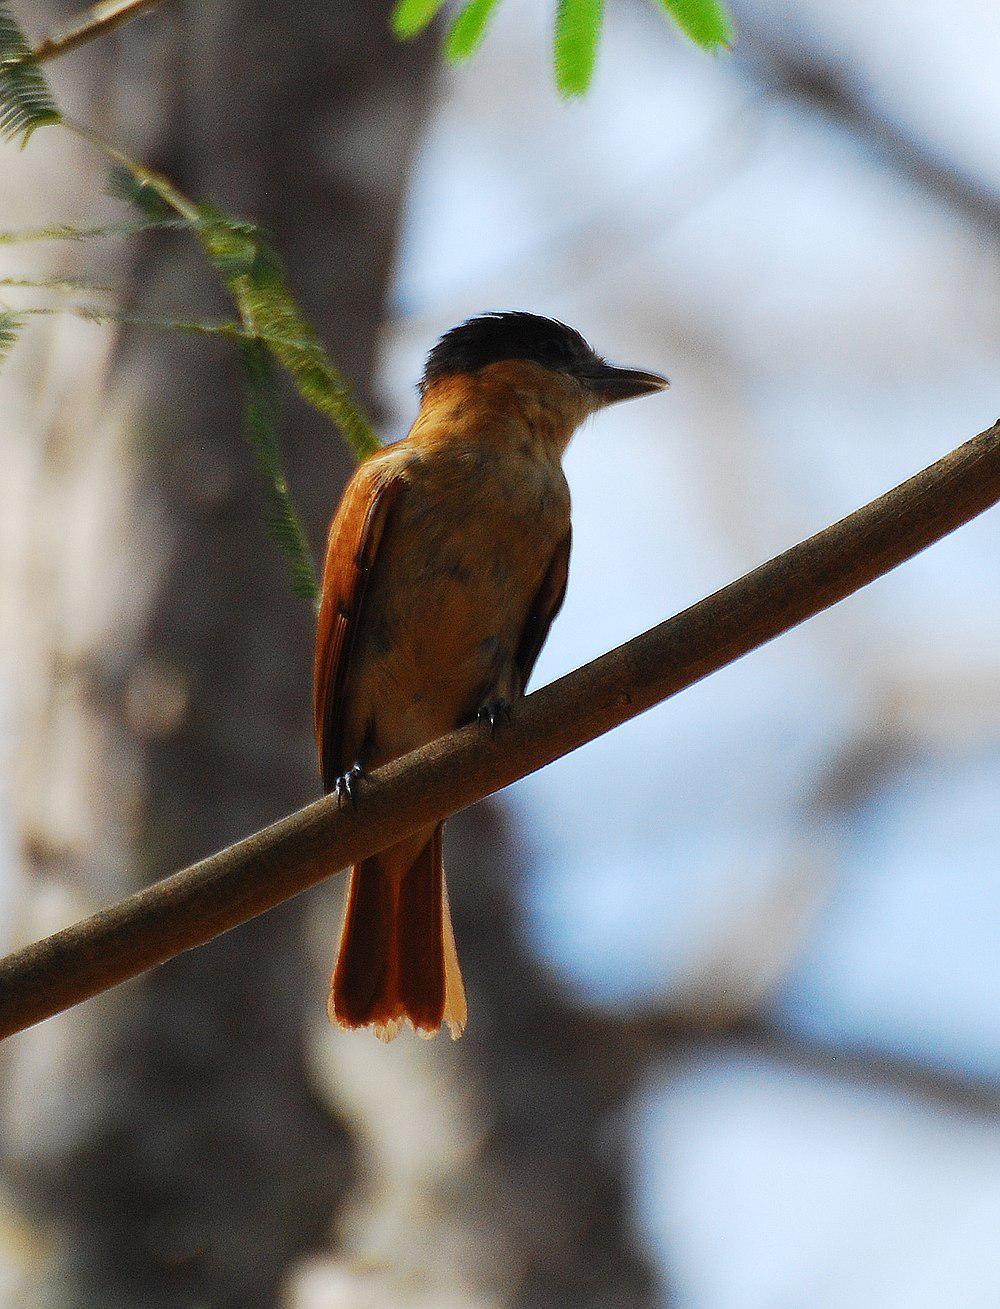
pixel 612 384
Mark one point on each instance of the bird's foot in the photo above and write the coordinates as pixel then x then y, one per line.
pixel 346 786
pixel 494 713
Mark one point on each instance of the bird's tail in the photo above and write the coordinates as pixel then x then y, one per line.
pixel 397 957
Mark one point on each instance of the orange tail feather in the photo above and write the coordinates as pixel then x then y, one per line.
pixel 397 959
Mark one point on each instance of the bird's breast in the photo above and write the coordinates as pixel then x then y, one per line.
pixel 469 545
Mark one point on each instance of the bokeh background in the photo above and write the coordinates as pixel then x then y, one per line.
pixel 733 969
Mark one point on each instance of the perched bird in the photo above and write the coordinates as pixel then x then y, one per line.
pixel 446 564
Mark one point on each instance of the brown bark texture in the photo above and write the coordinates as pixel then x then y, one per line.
pixel 179 1154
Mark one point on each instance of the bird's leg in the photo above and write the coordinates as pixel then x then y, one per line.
pixel 494 712
pixel 346 786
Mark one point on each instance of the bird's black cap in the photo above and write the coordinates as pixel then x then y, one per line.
pixel 512 334
pixel 516 334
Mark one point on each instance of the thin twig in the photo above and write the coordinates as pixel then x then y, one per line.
pixel 94 22
pixel 162 185
pixel 195 905
pixel 639 1039
pixel 832 87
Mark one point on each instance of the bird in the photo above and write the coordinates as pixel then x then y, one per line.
pixel 446 562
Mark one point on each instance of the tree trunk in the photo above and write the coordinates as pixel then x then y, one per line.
pixel 167 1137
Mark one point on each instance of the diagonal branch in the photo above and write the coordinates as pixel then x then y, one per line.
pixel 826 87
pixel 195 905
pixel 102 18
pixel 626 1043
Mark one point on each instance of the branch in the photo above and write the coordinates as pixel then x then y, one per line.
pixel 92 23
pixel 647 1037
pixel 197 904
pixel 780 64
pixel 941 1086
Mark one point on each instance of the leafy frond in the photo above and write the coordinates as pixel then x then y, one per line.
pixel 271 329
pixel 75 232
pixel 411 16
pixel 25 103
pixel 578 30
pixel 248 264
pixel 10 324
pixel 262 428
pixel 125 185
pixel 706 22
pixel 101 314
pixel 66 285
pixel 468 29
pixel 256 280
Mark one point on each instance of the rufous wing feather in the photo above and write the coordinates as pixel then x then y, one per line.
pixel 547 602
pixel 355 535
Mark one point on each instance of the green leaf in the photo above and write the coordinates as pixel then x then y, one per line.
pixel 25 102
pixel 578 30
pixel 125 185
pixel 262 429
pixel 468 30
pixel 10 324
pixel 72 232
pixel 271 330
pixel 102 314
pixel 411 16
pixel 65 285
pixel 706 22
pixel 253 273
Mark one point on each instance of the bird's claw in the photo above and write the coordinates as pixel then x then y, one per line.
pixel 494 713
pixel 346 787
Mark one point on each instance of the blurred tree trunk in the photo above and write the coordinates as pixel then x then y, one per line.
pixel 556 1148
pixel 169 1139
pixel 166 1138
pixel 499 1167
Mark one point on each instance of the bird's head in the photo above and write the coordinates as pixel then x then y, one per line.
pixel 537 363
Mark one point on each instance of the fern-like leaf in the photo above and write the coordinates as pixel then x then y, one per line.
pixel 256 280
pixel 64 285
pixel 262 429
pixel 252 271
pixel 411 16
pixel 578 30
pixel 706 22
pixel 468 29
pixel 10 324
pixel 74 232
pixel 25 103
pixel 103 314
pixel 138 192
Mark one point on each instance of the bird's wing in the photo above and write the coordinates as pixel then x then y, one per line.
pixel 546 604
pixel 355 535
